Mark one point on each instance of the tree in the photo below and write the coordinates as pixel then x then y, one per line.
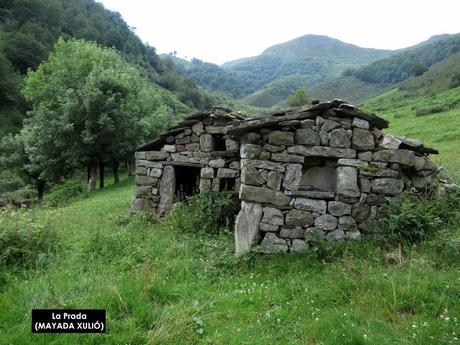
pixel 418 69
pixel 85 110
pixel 299 98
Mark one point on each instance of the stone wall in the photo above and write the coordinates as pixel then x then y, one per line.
pixel 283 214
pixel 191 144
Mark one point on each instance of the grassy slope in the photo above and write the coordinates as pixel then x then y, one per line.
pixel 161 286
pixel 440 130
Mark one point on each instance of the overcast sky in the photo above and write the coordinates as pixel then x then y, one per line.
pixel 221 30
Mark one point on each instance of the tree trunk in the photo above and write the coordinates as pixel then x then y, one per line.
pixel 101 175
pixel 131 168
pixel 116 176
pixel 92 177
pixel 40 189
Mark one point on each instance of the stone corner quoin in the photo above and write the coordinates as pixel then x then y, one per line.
pixel 316 171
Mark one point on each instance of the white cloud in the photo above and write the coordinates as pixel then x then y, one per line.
pixel 222 30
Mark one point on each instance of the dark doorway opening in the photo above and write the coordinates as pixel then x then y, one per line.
pixel 187 181
pixel 227 184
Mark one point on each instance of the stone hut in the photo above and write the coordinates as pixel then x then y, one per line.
pixel 193 156
pixel 318 171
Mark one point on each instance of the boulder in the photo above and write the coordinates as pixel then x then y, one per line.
pixel 335 235
pixel 274 180
pixel 338 208
pixel 361 211
pixel 217 163
pixel 156 155
pixel 312 205
pixel 273 244
pixel 339 138
pixel 198 128
pixel 227 173
pixel 268 227
pixel 287 158
pixel 390 142
pixel 400 156
pixel 273 148
pixel 166 189
pixel 387 186
pixel 326 222
pixel 207 143
pixel 281 138
pixel 299 218
pixel 142 180
pixel 247 226
pixel 207 173
pixel 261 164
pixel 307 136
pixel 296 232
pixel 362 139
pixel 273 216
pixel 347 182
pixel 250 151
pixel 252 176
pixel 322 151
pixel 205 185
pixel 329 125
pixel 347 223
pixel 292 176
pixel 298 246
pixel 263 195
pixel 360 123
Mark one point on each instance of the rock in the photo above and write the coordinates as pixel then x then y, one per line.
pixel 247 226
pixel 215 185
pixel 207 173
pixel 148 164
pixel 359 123
pixel 360 212
pixel 234 165
pixel 296 232
pixel 274 180
pixel 286 157
pixel 347 223
pixel 217 163
pixel 339 138
pixel 353 235
pixel 292 176
pixel 250 151
pixel 154 172
pixel 269 227
pixel 374 200
pixel 362 139
pixel 390 142
pixel 357 163
pixel 326 222
pixel 298 246
pixel 394 258
pixel 274 148
pixel 139 155
pixel 252 177
pixel 198 128
pixel 338 208
pixel 167 188
pixel 169 148
pixel 213 129
pixel 250 138
pixel 387 186
pixel 263 195
pixel 322 151
pixel 144 191
pixel 194 147
pixel 207 143
pixel 364 185
pixel 194 138
pixel 227 173
pixel 231 145
pixel 365 156
pixel 182 141
pixel 400 156
pixel 261 164
pixel 146 180
pixel 299 218
pixel 312 205
pixel 308 123
pixel 347 182
pixel 378 172
pixel 420 182
pixel 314 234
pixel 205 185
pixel 141 171
pixel 329 125
pixel 273 216
pixel 307 136
pixel 156 155
pixel 335 235
pixel 312 194
pixel 281 138
pixel 273 244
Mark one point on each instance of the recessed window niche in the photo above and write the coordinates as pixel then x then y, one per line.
pixel 319 174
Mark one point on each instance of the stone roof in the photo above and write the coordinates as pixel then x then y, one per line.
pixel 216 112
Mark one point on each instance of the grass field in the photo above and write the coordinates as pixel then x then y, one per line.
pixel 440 129
pixel 161 285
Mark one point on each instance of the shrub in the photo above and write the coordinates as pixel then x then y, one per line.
pixel 61 194
pixel 414 217
pixel 206 213
pixel 24 239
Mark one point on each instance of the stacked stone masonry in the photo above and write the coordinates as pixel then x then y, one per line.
pixel 319 171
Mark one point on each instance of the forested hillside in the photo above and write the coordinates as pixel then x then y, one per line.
pixel 29 29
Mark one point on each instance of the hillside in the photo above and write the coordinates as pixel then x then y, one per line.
pixel 29 29
pixel 306 60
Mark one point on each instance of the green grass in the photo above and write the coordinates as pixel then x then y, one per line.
pixel 440 130
pixel 161 285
